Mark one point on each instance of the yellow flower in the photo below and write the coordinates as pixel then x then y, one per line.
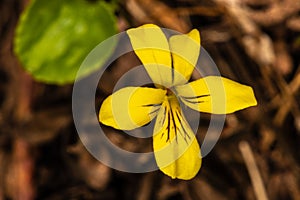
pixel 170 63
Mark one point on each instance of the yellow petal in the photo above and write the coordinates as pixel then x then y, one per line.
pixel 185 52
pixel 176 149
pixel 217 95
pixel 131 107
pixel 151 46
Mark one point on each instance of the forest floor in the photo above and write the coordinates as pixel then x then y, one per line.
pixel 254 42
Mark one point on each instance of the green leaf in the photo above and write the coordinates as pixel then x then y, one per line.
pixel 54 36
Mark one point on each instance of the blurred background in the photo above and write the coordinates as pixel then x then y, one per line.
pixel 42 44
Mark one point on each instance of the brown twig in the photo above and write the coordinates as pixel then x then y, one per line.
pixel 155 11
pixel 199 10
pixel 146 187
pixel 20 176
pixel 257 183
pixel 289 99
pixel 277 12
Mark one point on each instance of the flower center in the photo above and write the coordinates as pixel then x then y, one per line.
pixel 171 97
pixel 170 94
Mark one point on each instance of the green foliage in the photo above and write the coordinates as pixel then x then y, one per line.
pixel 54 36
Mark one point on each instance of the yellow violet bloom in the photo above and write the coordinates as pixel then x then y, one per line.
pixel 170 63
